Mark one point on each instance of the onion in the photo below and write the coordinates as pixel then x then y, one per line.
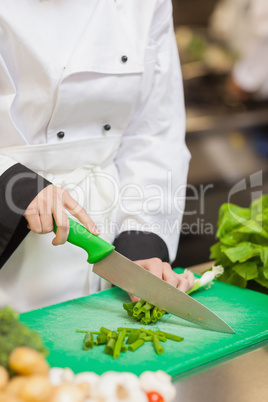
pixel 68 393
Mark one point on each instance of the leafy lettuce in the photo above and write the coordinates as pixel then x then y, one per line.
pixel 242 248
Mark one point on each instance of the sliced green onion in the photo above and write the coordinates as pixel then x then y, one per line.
pixel 102 339
pixel 147 316
pixel 137 311
pixel 147 307
pixel 157 345
pixel 138 305
pixel 118 344
pixel 114 340
pixel 129 306
pixel 127 329
pixel 133 336
pixel 161 337
pixel 171 336
pixel 88 341
pixel 160 313
pixel 123 348
pixel 154 314
pixel 139 317
pixel 135 345
pixel 106 331
pixel 147 338
pixel 110 346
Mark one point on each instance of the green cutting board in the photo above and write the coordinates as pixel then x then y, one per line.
pixel 245 310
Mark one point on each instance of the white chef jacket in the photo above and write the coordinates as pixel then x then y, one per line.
pixel 91 99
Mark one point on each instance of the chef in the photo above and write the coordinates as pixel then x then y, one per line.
pixel 243 25
pixel 92 127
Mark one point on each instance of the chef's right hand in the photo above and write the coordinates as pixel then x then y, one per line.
pixel 164 271
pixel 52 202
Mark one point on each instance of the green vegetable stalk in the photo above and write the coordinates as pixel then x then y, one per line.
pixel 133 336
pixel 119 343
pixel 102 339
pixel 157 345
pixel 135 345
pixel 242 247
pixel 206 280
pixel 88 341
pixel 110 346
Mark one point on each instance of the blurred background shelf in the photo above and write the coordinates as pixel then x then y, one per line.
pixel 227 137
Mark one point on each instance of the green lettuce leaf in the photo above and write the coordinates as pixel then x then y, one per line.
pixel 217 254
pixel 247 270
pixel 259 206
pixel 253 227
pixel 242 247
pixel 234 237
pixel 242 252
pixel 262 278
pixel 233 278
pixel 264 256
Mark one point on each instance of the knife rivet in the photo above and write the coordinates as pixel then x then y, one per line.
pixel 60 134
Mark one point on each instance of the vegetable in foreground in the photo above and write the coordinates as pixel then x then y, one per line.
pixel 14 334
pixel 242 248
pixel 34 381
pixel 27 377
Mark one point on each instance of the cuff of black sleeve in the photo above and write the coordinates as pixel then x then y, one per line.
pixel 137 245
pixel 18 187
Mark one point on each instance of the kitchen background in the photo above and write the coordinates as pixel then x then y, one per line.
pixel 227 130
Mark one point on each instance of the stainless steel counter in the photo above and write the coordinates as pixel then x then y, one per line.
pixel 239 377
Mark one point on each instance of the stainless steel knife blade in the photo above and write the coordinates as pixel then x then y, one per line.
pixel 136 280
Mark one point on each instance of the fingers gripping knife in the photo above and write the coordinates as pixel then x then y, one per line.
pixel 136 280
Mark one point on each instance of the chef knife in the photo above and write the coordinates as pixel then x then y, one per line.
pixel 136 280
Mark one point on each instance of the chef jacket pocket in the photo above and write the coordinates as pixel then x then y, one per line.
pixel 93 104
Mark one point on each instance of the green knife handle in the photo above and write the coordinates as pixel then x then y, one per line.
pixel 96 247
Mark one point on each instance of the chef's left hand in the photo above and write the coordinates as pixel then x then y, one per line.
pixel 163 270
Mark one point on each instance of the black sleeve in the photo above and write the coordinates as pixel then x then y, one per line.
pixel 138 245
pixel 18 187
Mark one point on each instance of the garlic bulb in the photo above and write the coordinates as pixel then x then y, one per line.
pixel 123 387
pixel 68 376
pixel 91 379
pixel 55 376
pixel 111 386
